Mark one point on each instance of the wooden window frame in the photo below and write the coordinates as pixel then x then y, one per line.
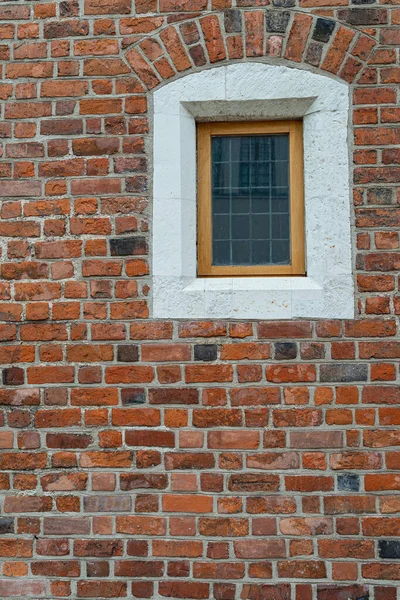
pixel 205 131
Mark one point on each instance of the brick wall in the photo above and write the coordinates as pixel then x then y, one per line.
pixel 192 460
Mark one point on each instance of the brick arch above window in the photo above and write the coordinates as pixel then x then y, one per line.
pixel 277 35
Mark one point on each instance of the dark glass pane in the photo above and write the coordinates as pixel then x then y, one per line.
pixel 279 147
pixel 241 253
pixel 260 201
pixel 280 174
pixel 250 199
pixel 240 149
pixel 222 253
pixel 221 230
pixel 221 202
pixel 221 175
pixel 260 227
pixel 260 175
pixel 280 200
pixel 240 201
pixel 240 227
pixel 240 175
pixel 221 149
pixel 261 150
pixel 280 253
pixel 280 226
pixel 261 254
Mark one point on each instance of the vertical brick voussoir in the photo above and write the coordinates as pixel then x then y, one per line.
pixel 213 38
pixel 337 50
pixel 298 36
pixel 142 68
pixel 175 49
pixel 254 27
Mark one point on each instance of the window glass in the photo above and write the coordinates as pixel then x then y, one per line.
pixel 250 200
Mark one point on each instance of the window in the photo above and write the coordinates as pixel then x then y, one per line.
pixel 250 198
pixel 253 93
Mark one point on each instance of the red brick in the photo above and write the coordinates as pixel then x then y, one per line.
pixel 184 589
pixel 242 351
pixel 285 329
pixel 253 396
pixel 298 37
pixel 111 7
pixel 165 352
pixel 290 373
pixel 254 28
pixel 213 38
pixel 187 503
pixel 175 49
pixel 337 50
pixel 336 505
pixel 246 440
pixel 27 587
pixel 208 373
pixel 306 526
pixel 308 483
pixel 143 70
pixel 193 329
pixel 147 417
pixel 254 549
pixel 141 525
pixel 109 589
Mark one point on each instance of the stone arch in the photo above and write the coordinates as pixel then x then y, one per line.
pixel 286 37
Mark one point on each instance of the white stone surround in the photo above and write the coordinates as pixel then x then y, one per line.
pixel 252 91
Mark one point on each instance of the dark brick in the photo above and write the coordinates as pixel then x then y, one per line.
pixel 389 549
pixel 381 196
pixel 6 525
pixel 314 53
pixel 198 56
pixel 363 1
pixel 284 3
pixel 205 352
pixel 232 21
pixel 276 21
pixel 348 482
pixel 133 396
pixel 65 107
pixel 363 16
pixel 323 30
pixel 65 29
pixel 285 350
pixel 343 373
pixel 136 184
pixel 128 246
pixel 13 376
pixel 127 353
pixel 69 9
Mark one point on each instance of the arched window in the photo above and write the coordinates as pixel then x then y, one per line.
pixel 322 287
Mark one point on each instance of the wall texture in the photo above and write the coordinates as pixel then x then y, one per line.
pixel 192 460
